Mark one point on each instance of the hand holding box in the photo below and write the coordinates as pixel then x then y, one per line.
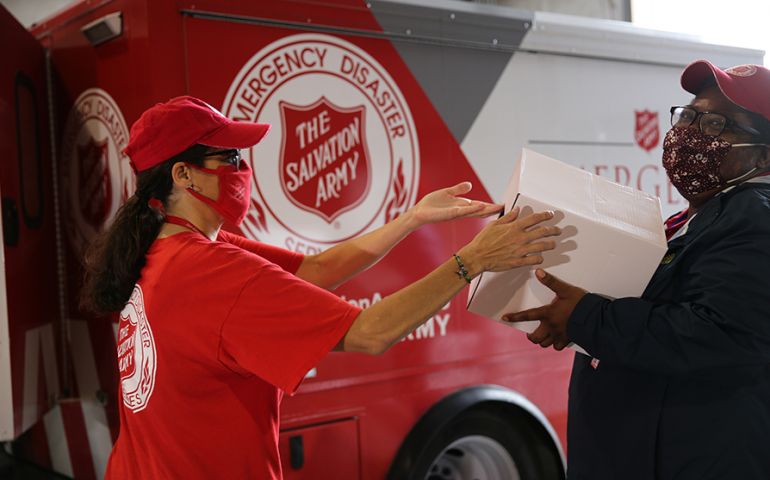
pixel 612 241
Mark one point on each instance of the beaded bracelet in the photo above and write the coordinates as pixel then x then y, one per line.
pixel 462 271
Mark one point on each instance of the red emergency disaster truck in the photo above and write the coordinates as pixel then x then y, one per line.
pixel 422 97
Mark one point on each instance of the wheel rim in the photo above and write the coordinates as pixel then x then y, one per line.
pixel 474 457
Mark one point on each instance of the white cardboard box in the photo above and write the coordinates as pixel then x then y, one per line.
pixel 612 238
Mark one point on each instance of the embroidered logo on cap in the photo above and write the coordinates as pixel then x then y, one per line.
pixel 742 70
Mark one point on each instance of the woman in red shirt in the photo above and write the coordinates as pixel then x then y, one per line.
pixel 214 328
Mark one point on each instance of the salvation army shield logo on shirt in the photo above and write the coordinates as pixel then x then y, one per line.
pixel 137 358
pixel 344 158
pixel 647 132
pixel 324 162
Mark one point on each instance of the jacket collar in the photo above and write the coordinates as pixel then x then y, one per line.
pixel 699 223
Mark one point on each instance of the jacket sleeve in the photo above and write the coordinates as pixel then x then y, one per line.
pixel 722 320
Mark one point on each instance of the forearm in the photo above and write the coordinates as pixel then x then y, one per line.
pixel 386 322
pixel 338 264
pixel 666 338
pixel 505 243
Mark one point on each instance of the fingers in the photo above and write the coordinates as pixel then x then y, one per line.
pixel 540 232
pixel 540 335
pixel 543 335
pixel 528 254
pixel 526 315
pixel 490 212
pixel 479 209
pixel 459 189
pixel 534 219
pixel 558 286
pixel 488 209
pixel 528 260
pixel 468 210
pixel 509 217
pixel 537 247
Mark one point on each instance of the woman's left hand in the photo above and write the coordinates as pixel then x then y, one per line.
pixel 447 204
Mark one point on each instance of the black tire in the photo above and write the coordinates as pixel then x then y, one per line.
pixel 525 441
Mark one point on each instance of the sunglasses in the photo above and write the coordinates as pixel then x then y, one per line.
pixel 231 156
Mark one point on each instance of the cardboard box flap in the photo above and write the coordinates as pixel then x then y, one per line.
pixel 632 211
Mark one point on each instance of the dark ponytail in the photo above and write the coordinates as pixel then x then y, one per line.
pixel 115 258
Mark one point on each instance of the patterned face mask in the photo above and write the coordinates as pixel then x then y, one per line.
pixel 692 160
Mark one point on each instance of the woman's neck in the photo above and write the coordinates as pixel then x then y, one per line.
pixel 207 223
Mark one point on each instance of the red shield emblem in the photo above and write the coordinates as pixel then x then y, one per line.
pixel 324 163
pixel 94 180
pixel 647 130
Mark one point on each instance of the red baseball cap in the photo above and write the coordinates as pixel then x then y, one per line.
pixel 170 128
pixel 747 86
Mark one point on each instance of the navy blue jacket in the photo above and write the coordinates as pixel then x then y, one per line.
pixel 682 388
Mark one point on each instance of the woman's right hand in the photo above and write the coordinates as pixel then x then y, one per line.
pixel 509 242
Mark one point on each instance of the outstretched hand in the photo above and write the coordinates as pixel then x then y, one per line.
pixel 510 242
pixel 554 316
pixel 448 204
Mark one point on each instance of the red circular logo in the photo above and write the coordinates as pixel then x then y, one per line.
pixel 346 158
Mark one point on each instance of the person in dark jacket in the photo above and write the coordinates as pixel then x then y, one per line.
pixel 677 384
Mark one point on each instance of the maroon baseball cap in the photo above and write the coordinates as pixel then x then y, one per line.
pixel 170 128
pixel 747 86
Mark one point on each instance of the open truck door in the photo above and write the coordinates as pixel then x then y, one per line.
pixel 31 370
pixel 32 374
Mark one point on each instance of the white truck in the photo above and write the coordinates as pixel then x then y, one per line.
pixel 438 92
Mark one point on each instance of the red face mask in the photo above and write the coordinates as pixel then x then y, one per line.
pixel 692 160
pixel 234 191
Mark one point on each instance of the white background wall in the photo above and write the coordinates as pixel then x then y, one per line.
pixel 31 11
pixel 737 22
pixel 610 9
pixel 741 23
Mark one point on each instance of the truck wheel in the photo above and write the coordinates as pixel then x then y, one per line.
pixel 473 457
pixel 482 444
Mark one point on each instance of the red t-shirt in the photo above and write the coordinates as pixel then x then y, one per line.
pixel 212 336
